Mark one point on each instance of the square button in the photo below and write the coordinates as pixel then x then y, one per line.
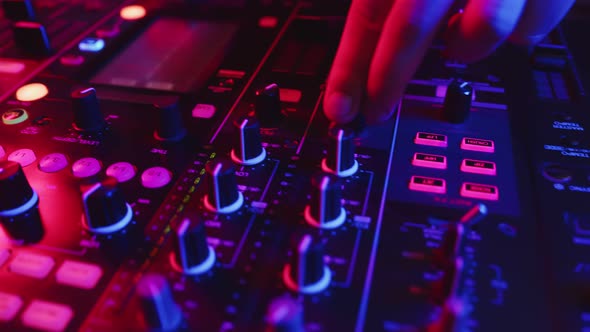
pixel 9 306
pixel 429 160
pixel 47 316
pixel 476 144
pixel 431 139
pixel 32 265
pixel 478 166
pixel 479 191
pixel 431 185
pixel 203 111
pixel 78 274
pixel 290 95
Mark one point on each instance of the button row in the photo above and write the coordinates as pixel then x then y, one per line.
pixel 70 273
pixel 468 189
pixel 467 143
pixel 42 315
pixel 153 177
pixel 467 165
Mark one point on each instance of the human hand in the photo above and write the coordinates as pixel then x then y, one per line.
pixel 384 41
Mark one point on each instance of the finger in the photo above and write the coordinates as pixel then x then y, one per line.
pixel 346 82
pixel 482 26
pixel 407 34
pixel 538 19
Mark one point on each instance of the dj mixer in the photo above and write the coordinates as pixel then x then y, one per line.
pixel 167 166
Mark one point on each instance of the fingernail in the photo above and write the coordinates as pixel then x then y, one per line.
pixel 339 107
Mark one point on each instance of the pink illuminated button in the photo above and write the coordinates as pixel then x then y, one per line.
pixel 53 162
pixel 11 66
pixel 268 22
pixel 431 139
pixel 9 306
pixel 480 191
pixel 47 316
pixel 78 274
pixel 204 111
pixel 2 152
pixel 86 167
pixel 71 60
pixel 24 157
pixel 290 95
pixel 429 160
pixel 122 171
pixel 478 166
pixel 32 265
pixel 476 144
pixel 156 177
pixel 431 185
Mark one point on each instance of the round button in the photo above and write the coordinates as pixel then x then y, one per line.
pixel 31 92
pixel 14 116
pixel 557 173
pixel 156 177
pixel 53 162
pixel 24 157
pixel 2 152
pixel 122 171
pixel 86 167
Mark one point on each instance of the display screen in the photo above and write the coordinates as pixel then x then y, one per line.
pixel 172 54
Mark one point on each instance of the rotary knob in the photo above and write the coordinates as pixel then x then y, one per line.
pixel 248 148
pixel 325 207
pixel 340 152
pixel 87 115
pixel 18 204
pixel 284 314
pixel 307 272
pixel 192 255
pixel 268 105
pixel 223 195
pixel 457 103
pixel 105 209
pixel 31 38
pixel 170 126
pixel 160 312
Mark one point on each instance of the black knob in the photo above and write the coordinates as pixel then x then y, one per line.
pixel 160 312
pixel 457 104
pixel 248 148
pixel 105 209
pixel 284 314
pixel 18 10
pixel 325 207
pixel 223 195
pixel 87 115
pixel 169 125
pixel 340 152
pixel 306 272
pixel 268 106
pixel 192 255
pixel 19 203
pixel 31 38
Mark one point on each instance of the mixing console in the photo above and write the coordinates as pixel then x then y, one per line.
pixel 167 166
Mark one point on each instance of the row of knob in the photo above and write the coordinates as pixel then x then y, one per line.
pixel 305 273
